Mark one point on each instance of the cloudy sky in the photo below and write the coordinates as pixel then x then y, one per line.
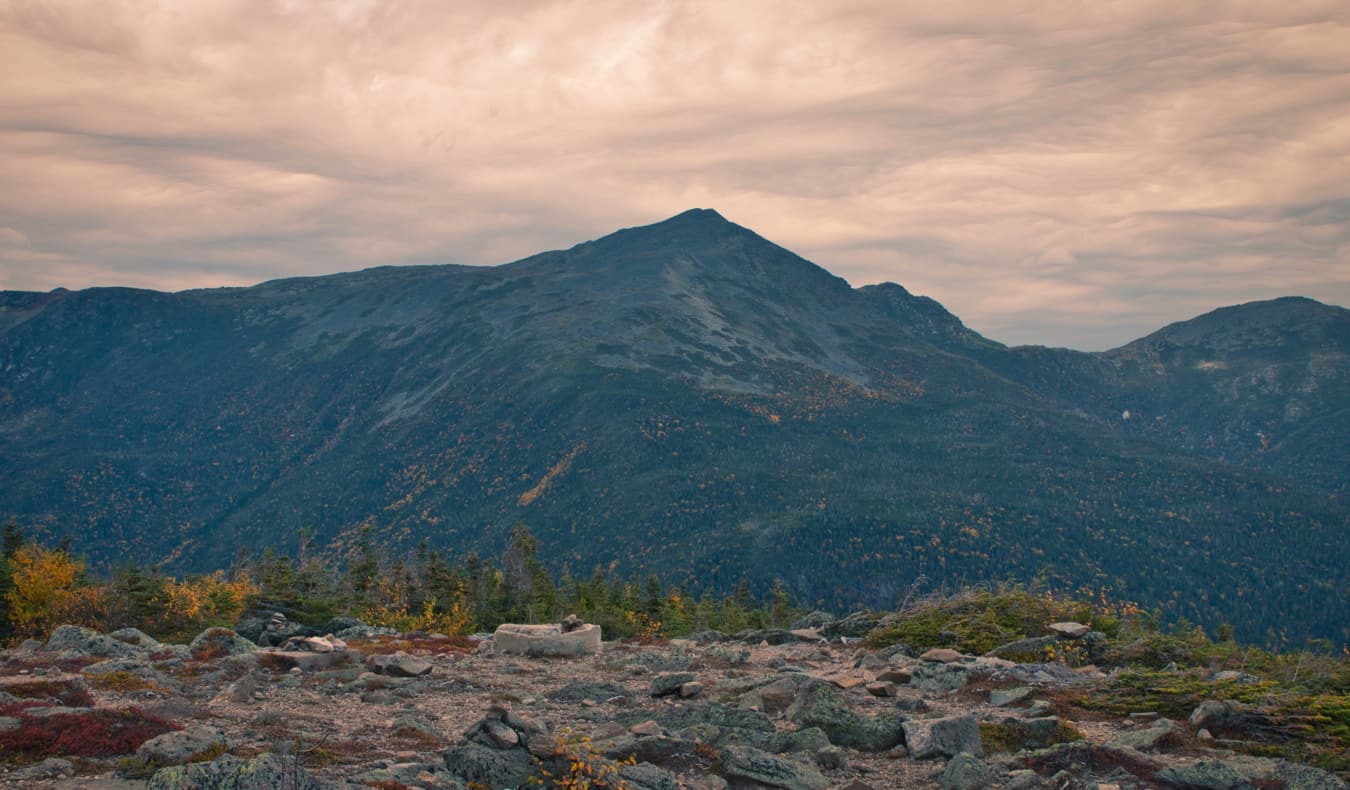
pixel 1060 172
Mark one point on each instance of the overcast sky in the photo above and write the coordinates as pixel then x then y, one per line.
pixel 1059 172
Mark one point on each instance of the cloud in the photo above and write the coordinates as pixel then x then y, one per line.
pixel 1055 173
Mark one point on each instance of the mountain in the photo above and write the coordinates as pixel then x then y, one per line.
pixel 689 398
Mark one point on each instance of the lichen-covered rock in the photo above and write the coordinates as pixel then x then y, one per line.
pixel 202 742
pixel 943 737
pixel 218 643
pixel 1210 775
pixel 746 763
pixel 137 638
pixel 668 683
pixel 475 763
pixel 965 772
pixel 85 642
pixel 818 705
pixel 265 772
pixel 399 665
pixel 938 676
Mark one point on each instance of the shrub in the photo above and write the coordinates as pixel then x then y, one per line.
pixel 95 733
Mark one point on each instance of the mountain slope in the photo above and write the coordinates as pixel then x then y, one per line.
pixel 690 398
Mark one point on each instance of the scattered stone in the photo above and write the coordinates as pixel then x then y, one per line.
pixel 399 665
pixel 408 726
pixel 1001 697
pixel 1159 734
pixel 1211 775
pixel 899 677
pixel 1069 630
pixel 1023 779
pixel 943 655
pixel 201 742
pixel 807 635
pixel 502 736
pixel 50 768
pixel 691 689
pixel 882 689
pixel 571 623
pixel 645 776
pixel 579 690
pixel 965 772
pixel 547 640
pixel 648 727
pixel 746 763
pixel 473 762
pixel 943 737
pixel 668 683
pixel 267 771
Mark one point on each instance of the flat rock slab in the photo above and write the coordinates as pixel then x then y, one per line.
pixel 1069 629
pixel 547 640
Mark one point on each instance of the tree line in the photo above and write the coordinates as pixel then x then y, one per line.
pixel 44 586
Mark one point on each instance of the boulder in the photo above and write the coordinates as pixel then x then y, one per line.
pixel 748 764
pixel 136 638
pixel 1068 630
pixel 943 655
pixel 194 744
pixel 1211 775
pixel 399 665
pixel 936 676
pixel 1001 697
pixel 965 772
pixel 74 640
pixel 645 776
pixel 1157 735
pixel 218 643
pixel 669 683
pixel 942 737
pixel 485 766
pixel 818 705
pixel 265 772
pixel 547 640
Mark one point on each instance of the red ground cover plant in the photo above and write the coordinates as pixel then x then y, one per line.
pixel 94 733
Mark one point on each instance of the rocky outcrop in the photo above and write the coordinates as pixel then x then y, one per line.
pixel 547 640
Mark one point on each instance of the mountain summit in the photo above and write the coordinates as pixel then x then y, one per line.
pixel 691 398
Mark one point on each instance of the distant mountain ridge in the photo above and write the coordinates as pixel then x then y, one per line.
pixel 691 398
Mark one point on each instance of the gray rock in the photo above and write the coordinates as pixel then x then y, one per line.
pixel 645 776
pixel 855 626
pixel 50 768
pixel 816 620
pixel 77 641
pixel 1212 775
pixel 265 772
pixel 185 746
pixel 965 772
pixel 579 690
pixel 136 638
pixel 669 683
pixel 218 643
pixel 943 737
pixel 1304 777
pixel 1001 697
pixel 933 676
pixel 547 640
pixel 399 665
pixel 943 655
pixel 410 726
pixel 1023 779
pixel 474 762
pixel 819 705
pixel 1159 734
pixel 1068 630
pixel 746 763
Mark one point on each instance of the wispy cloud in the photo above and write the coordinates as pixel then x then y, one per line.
pixel 1060 173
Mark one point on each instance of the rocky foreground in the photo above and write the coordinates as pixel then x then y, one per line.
pixel 798 710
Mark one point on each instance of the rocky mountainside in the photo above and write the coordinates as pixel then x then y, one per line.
pixel 798 710
pixel 690 399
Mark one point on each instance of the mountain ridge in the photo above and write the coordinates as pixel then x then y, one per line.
pixel 682 396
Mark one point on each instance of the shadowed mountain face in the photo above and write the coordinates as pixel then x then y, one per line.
pixel 689 398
